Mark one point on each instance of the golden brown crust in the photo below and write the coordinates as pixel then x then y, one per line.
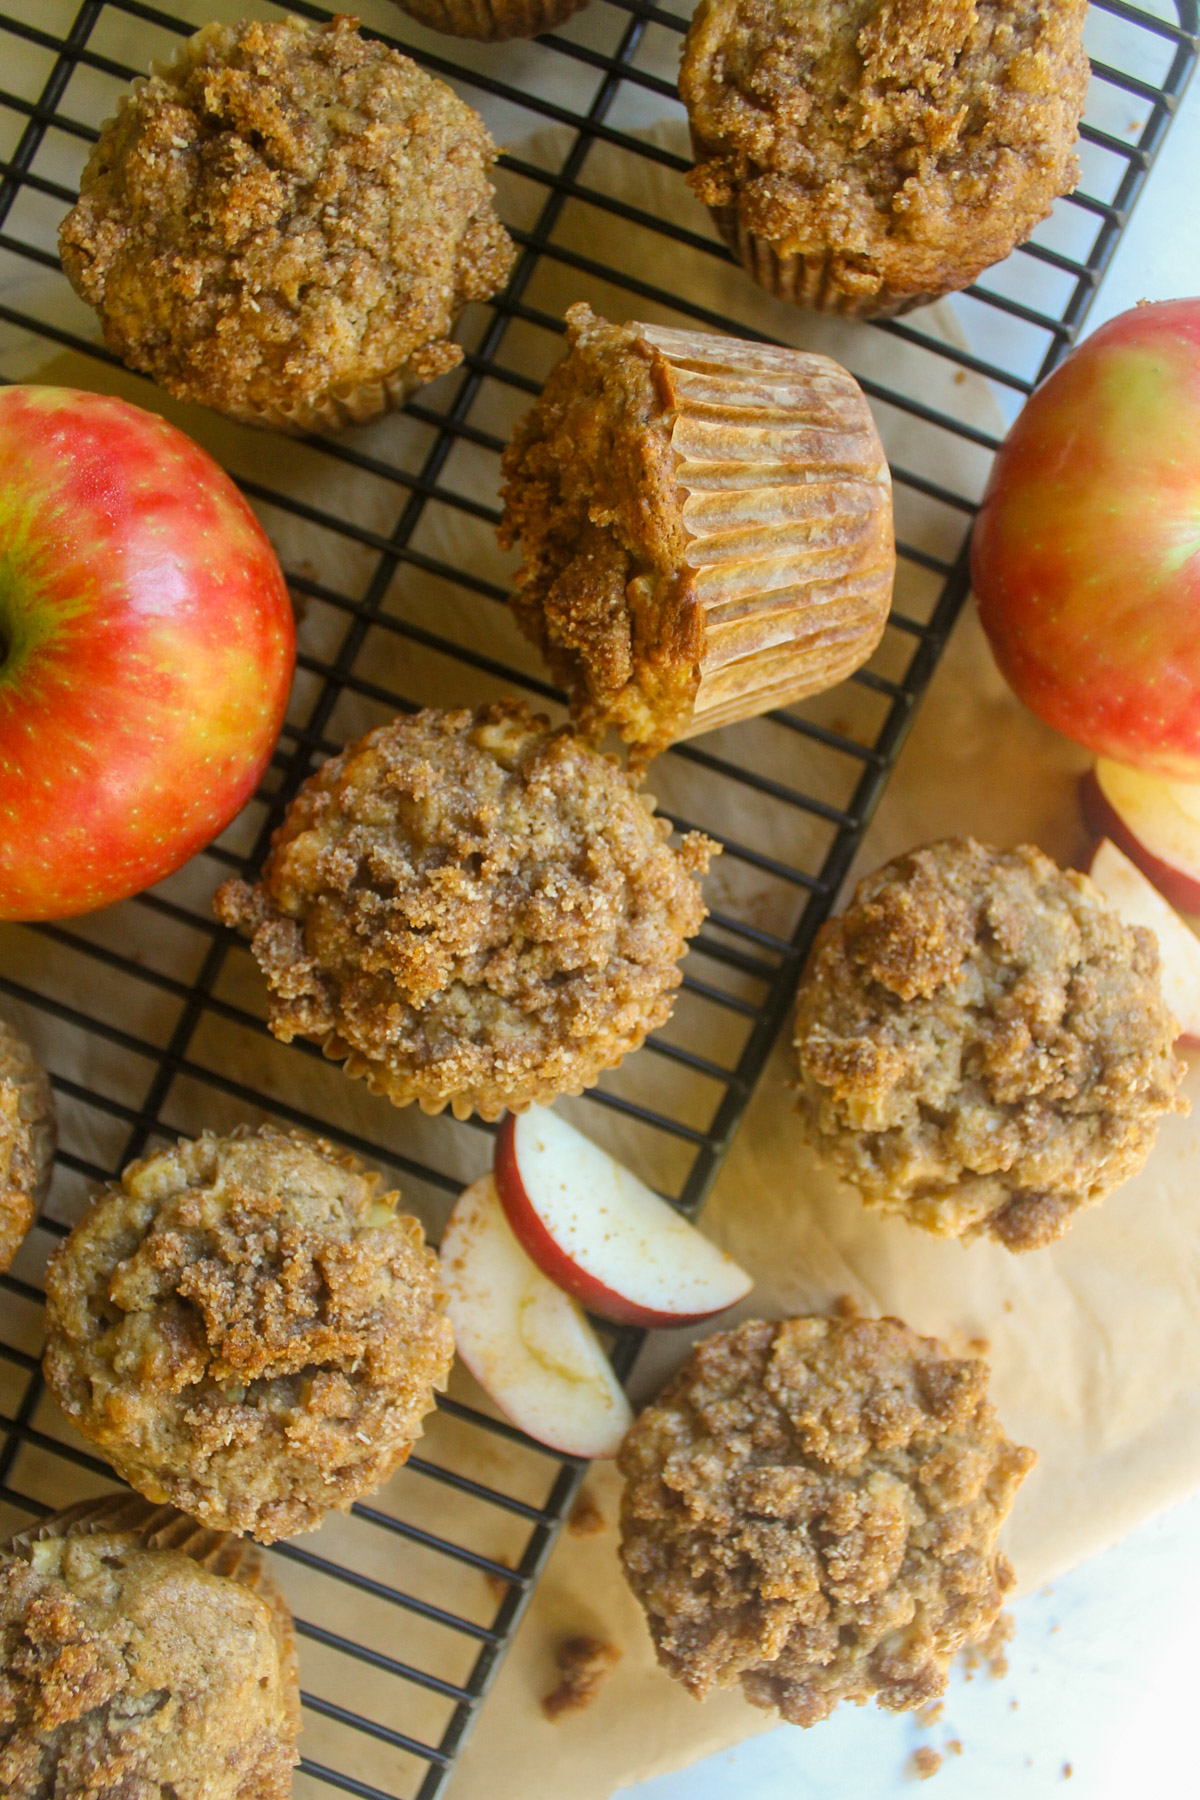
pixel 133 1671
pixel 811 1508
pixel 705 525
pixel 248 1328
pixel 284 217
pixel 983 1045
pixel 472 910
pixel 492 20
pixel 27 1138
pixel 910 142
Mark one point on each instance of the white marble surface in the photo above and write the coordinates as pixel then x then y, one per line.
pixel 1100 1676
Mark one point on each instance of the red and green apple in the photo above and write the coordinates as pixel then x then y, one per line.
pixel 146 650
pixel 1086 553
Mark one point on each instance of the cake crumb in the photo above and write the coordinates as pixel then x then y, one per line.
pixel 931 1714
pixel 1068 1771
pixel 586 1520
pixel 925 1762
pixel 954 1746
pixel 498 1586
pixel 583 1663
pixel 846 1306
pixel 1008 1306
pixel 979 1346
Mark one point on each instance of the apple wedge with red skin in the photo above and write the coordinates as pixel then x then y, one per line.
pixel 146 650
pixel 1135 901
pixel 1155 822
pixel 527 1344
pixel 603 1235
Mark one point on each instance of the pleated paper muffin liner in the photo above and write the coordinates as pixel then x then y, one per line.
pixel 785 496
pixel 492 20
pixel 809 281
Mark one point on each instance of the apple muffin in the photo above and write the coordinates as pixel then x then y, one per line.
pixel 144 1657
pixel 472 910
pixel 811 1509
pixel 869 155
pixel 284 223
pixel 705 526
pixel 27 1139
pixel 983 1044
pixel 246 1326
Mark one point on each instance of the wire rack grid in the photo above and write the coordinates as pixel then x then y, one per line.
pixel 149 1016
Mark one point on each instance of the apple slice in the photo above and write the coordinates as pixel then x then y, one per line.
pixel 1154 821
pixel 1134 899
pixel 601 1234
pixel 526 1342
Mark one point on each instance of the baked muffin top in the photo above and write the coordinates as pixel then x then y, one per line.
pixel 134 1671
pixel 917 140
pixel 591 494
pixel 248 1328
pixel 811 1508
pixel 471 909
pixel 983 1045
pixel 282 212
pixel 26 1139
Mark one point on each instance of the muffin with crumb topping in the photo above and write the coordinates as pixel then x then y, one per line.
pixel 811 1510
pixel 27 1138
pixel 472 910
pixel 983 1044
pixel 284 223
pixel 249 1327
pixel 864 156
pixel 145 1657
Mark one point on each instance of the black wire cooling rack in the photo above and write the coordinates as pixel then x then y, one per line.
pixel 149 1016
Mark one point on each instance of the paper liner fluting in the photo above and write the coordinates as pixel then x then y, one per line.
pixel 822 282
pixel 492 20
pixel 786 498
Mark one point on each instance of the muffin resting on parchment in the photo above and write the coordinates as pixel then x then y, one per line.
pixel 145 1657
pixel 472 910
pixel 811 1509
pixel 27 1139
pixel 284 223
pixel 249 1328
pixel 864 156
pixel 705 526
pixel 983 1045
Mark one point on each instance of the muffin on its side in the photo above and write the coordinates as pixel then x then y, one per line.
pixel 141 1655
pixel 492 20
pixel 706 527
pixel 247 1327
pixel 27 1139
pixel 811 1509
pixel 472 910
pixel 983 1044
pixel 284 223
pixel 869 156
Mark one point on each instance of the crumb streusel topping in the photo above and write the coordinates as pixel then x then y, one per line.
pixel 135 1672
pixel 811 1508
pixel 917 140
pixel 283 212
pixel 27 1137
pixel 472 910
pixel 248 1328
pixel 983 1045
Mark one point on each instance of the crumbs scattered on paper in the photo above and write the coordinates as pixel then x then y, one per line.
pixel 586 1521
pixel 583 1663
pixel 925 1762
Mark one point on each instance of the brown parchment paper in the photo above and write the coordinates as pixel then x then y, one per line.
pixel 1093 1343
